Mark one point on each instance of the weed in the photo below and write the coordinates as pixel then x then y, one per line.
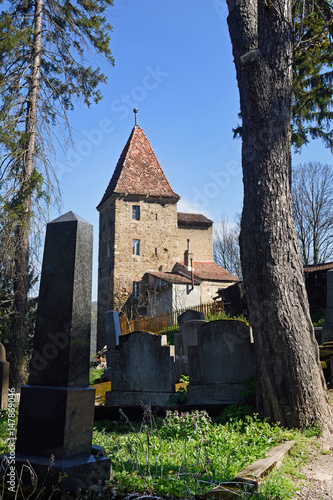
pixel 186 454
pixel 95 374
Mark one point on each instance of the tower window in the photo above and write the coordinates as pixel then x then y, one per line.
pixel 136 289
pixel 109 250
pixel 136 247
pixel 136 212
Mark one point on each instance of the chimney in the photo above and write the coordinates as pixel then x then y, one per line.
pixel 188 257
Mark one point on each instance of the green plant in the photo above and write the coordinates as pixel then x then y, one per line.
pixel 95 374
pixel 186 454
pixel 224 315
pixel 318 318
pixel 175 424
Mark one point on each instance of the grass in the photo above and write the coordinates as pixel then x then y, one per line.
pixel 186 454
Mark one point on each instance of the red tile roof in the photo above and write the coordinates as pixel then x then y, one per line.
pixel 193 219
pixel 138 171
pixel 207 271
pixel 318 267
pixel 171 277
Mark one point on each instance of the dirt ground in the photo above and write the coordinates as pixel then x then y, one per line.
pixel 318 471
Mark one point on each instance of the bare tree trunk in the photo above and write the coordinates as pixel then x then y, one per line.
pixel 290 385
pixel 18 339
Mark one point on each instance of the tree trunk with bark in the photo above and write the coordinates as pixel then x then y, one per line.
pixel 22 232
pixel 289 380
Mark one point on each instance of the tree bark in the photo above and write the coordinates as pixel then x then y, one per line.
pixel 289 380
pixel 21 260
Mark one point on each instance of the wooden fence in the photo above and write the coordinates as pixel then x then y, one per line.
pixel 162 322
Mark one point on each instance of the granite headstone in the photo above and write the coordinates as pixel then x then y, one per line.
pixel 190 315
pixel 113 332
pixel 56 411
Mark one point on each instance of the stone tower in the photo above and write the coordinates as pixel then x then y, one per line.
pixel 138 227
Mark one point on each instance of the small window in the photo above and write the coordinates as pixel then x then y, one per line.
pixel 109 250
pixel 136 247
pixel 136 212
pixel 136 289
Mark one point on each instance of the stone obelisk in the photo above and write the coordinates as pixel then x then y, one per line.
pixel 56 411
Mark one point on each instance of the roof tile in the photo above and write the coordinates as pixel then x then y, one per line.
pixel 208 271
pixel 138 171
pixel 193 219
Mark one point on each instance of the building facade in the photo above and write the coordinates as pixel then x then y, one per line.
pixel 141 232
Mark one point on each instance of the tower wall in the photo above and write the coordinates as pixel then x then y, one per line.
pixel 201 242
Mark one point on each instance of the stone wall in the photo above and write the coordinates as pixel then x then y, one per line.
pixel 157 232
pixel 209 289
pixel 201 242
pixel 118 267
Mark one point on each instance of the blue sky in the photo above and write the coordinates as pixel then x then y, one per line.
pixel 174 63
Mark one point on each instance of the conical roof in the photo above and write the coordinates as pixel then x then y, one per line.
pixel 138 171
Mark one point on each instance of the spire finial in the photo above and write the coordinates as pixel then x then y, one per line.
pixel 135 110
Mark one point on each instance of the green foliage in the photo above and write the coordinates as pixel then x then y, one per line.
pixel 312 76
pixel 176 425
pixel 6 426
pixel 224 315
pixel 311 111
pixel 318 318
pixel 95 374
pixel 186 454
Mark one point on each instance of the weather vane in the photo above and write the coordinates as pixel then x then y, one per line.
pixel 135 110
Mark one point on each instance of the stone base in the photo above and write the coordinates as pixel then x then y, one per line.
pixel 214 394
pixel 76 473
pixel 136 398
pixel 180 369
pixel 107 373
pixel 55 421
pixel 327 333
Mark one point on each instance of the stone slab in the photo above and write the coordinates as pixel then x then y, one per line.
pixel 55 421
pixel 136 398
pixel 77 473
pixel 215 393
pixel 326 334
pixel 225 354
pixel 190 315
pixel 112 329
pixel 142 362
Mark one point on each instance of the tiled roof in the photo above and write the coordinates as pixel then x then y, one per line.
pixel 193 219
pixel 138 171
pixel 172 278
pixel 207 271
pixel 318 267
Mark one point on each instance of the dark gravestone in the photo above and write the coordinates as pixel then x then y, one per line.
pixel 190 315
pixel 221 363
pixel 4 378
pixel 56 412
pixel 113 332
pixel 112 329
